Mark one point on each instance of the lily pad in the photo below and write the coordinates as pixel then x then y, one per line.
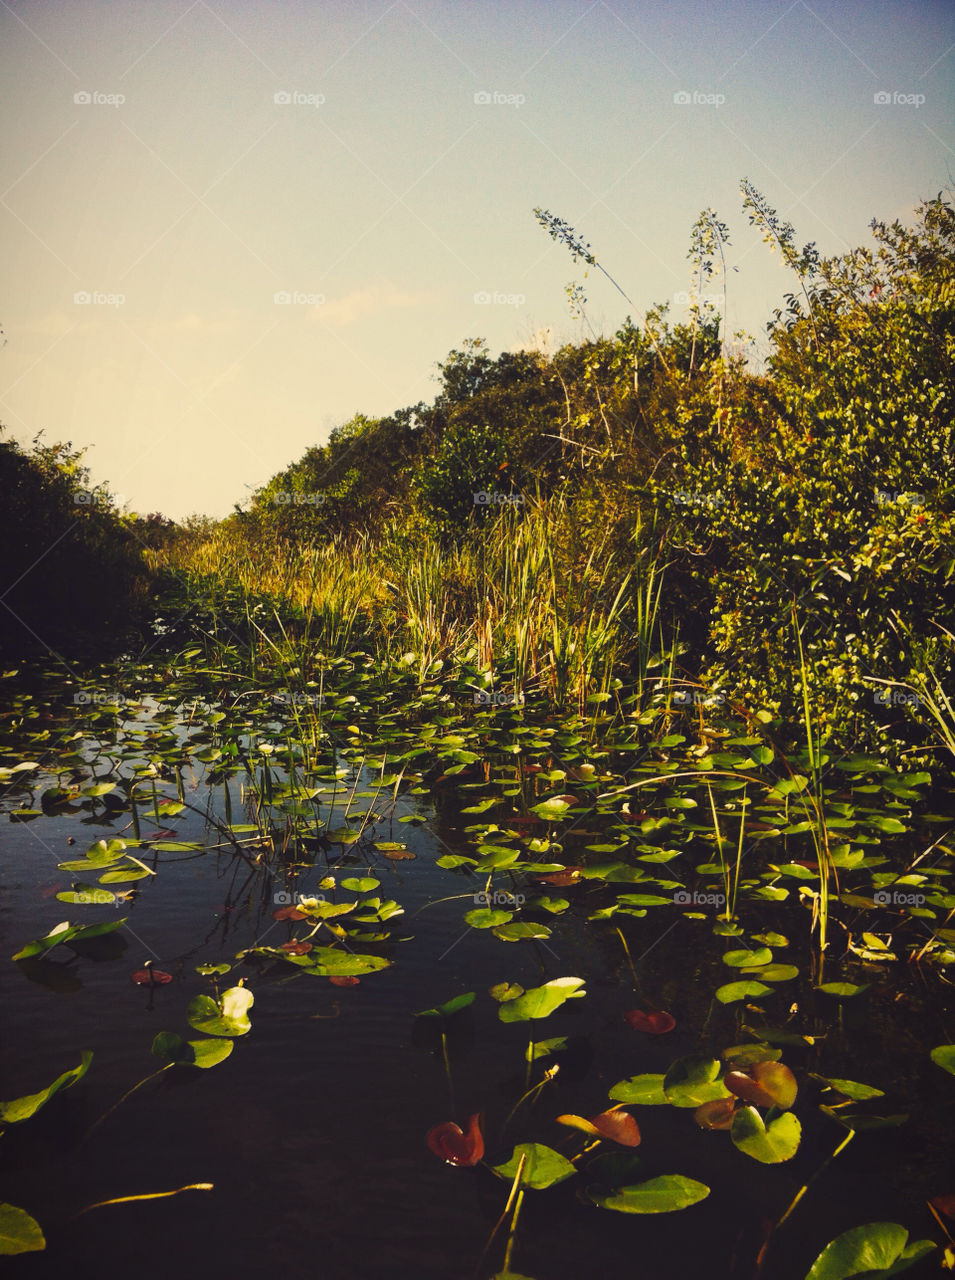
pixel 876 1249
pixel 769 1144
pixel 666 1194
pixel 20 1109
pixel 543 1166
pixel 227 1017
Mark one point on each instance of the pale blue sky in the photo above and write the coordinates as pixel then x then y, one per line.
pixel 386 189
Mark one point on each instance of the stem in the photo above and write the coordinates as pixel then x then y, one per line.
pixel 512 1234
pixel 507 1208
pixel 128 1094
pixel 623 940
pixel 447 1067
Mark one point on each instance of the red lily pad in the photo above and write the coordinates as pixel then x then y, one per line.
pixel 151 977
pixel 570 875
pixel 717 1114
pixel 343 980
pixel 944 1204
pixel 766 1084
pixel 297 948
pixel 451 1144
pixel 288 913
pixel 617 1126
pixel 654 1023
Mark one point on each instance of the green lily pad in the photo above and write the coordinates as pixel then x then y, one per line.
pixel 748 959
pixel 944 1056
pixel 543 1166
pixel 228 1016
pixel 19 1233
pixel 20 1109
pixel 169 1047
pixel 876 1249
pixel 693 1080
pixel 660 1195
pixel 647 1090
pixel 454 1005
pixel 540 1002
pixel 769 1144
pixel 733 991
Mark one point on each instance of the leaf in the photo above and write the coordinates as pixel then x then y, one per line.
pixel 20 1109
pixel 875 1249
pixel 747 959
pixel 654 1023
pixel 504 991
pixel 327 961
pixel 691 1081
pixel 360 884
pixel 453 1005
pixel 944 1056
pixel 451 1144
pixel 19 1233
pixel 543 1166
pixel 660 1195
pixel 647 1090
pixel 843 990
pixel 66 933
pixel 227 1017
pixel 543 1048
pixel 169 1047
pixel 850 1088
pixel 734 991
pixel 717 1114
pixel 766 1084
pixel 770 1144
pixel 521 931
pixel 617 1126
pixel 539 1002
pixel 551 810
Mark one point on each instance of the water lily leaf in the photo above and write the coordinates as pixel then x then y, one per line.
pixel 693 1080
pixel 20 1109
pixel 843 990
pixel 647 1090
pixel 455 1146
pixel 169 1047
pixel 360 884
pixel 540 1002
pixel 944 1056
pixel 67 933
pixel 19 1233
pixel 876 1249
pixel 551 810
pixel 453 1005
pixel 543 1166
pixel 487 917
pixel 773 973
pixel 656 1022
pixel 734 991
pixel 326 961
pixel 543 1048
pixel 769 1144
pixel 521 931
pixel 504 991
pixel 717 1114
pixel 227 1017
pixel 659 1195
pixel 87 895
pixel 850 1088
pixel 747 959
pixel 123 875
pixel 208 969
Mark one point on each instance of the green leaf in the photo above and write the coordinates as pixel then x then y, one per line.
pixel 850 1088
pixel 734 991
pixel 450 1006
pixel 521 931
pixel 487 917
pixel 87 895
pixel 169 1047
pixel 360 884
pixel 19 1233
pixel 843 990
pixel 660 1195
pixel 876 1249
pixel 543 1166
pixel 551 810
pixel 539 1002
pixel 747 959
pixel 693 1080
pixel 543 1048
pixel 20 1109
pixel 647 1090
pixel 944 1056
pixel 770 1144
pixel 773 973
pixel 66 932
pixel 227 1017
pixel 331 962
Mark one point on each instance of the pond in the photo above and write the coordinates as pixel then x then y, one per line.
pixel 623 906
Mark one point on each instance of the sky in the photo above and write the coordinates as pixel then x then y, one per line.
pixel 229 227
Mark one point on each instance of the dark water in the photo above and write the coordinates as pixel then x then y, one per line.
pixel 313 1131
